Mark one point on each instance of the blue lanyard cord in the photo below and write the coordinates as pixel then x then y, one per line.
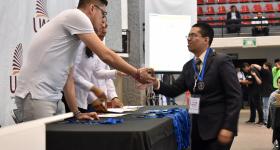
pixel 181 124
pixel 95 122
pixel 201 74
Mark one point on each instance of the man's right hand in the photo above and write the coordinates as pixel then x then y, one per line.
pixel 98 106
pixel 145 75
pixel 98 92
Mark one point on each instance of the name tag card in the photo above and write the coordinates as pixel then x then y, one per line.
pixel 194 105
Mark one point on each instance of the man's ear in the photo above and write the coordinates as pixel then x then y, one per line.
pixel 207 39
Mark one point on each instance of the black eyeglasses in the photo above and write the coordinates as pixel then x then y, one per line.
pixel 104 13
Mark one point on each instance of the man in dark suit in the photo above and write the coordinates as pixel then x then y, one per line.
pixel 233 20
pixel 216 92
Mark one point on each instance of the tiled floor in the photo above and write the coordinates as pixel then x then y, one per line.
pixel 252 136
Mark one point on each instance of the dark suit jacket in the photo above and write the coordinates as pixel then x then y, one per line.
pixel 237 15
pixel 220 102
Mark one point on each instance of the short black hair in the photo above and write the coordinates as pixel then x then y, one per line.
pixel 84 2
pixel 269 65
pixel 245 65
pixel 276 60
pixel 278 79
pixel 205 30
pixel 232 6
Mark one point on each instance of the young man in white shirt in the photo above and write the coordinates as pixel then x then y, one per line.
pixel 261 27
pixel 51 54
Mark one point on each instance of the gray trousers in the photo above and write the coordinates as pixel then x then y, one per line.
pixel 31 109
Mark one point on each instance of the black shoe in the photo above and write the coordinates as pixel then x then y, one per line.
pixel 260 123
pixel 250 121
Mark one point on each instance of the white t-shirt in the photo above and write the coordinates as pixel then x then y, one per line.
pixel 88 73
pixel 51 54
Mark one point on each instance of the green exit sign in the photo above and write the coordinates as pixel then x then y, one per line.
pixel 249 42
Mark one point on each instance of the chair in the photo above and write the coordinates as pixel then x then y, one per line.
pixel 222 19
pixel 210 1
pixel 246 22
pixel 221 10
pixel 244 1
pixel 200 2
pixel 210 19
pixel 257 8
pixel 271 16
pixel 221 1
pixel 269 7
pixel 199 11
pixel 245 9
pixel 210 10
pixel 233 1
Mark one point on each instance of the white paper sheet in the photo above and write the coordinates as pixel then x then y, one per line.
pixel 110 115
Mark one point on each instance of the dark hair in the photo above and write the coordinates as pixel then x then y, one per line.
pixel 206 31
pixel 276 60
pixel 278 79
pixel 89 53
pixel 269 65
pixel 84 2
pixel 232 6
pixel 245 65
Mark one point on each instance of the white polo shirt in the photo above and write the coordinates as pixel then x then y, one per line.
pixel 51 53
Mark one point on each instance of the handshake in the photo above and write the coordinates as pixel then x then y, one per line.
pixel 145 76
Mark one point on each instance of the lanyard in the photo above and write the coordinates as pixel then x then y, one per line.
pixel 200 75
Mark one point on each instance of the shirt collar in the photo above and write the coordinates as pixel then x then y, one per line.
pixel 201 57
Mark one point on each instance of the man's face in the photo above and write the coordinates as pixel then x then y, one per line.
pixel 98 16
pixel 259 15
pixel 277 64
pixel 278 83
pixel 246 69
pixel 233 9
pixel 195 40
pixel 101 32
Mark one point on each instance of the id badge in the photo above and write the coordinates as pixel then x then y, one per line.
pixel 194 105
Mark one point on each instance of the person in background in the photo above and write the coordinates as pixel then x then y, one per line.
pixel 276 73
pixel 233 20
pixel 47 69
pixel 261 27
pixel 273 120
pixel 266 86
pixel 241 77
pixel 253 80
pixel 216 94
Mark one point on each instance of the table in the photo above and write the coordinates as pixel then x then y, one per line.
pixel 133 134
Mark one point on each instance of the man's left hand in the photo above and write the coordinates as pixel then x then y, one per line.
pixel 225 136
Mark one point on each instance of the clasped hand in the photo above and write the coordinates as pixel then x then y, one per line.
pixel 146 75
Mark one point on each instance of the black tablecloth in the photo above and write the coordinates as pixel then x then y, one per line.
pixel 133 134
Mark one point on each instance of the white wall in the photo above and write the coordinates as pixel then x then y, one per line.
pixel 269 53
pixel 172 8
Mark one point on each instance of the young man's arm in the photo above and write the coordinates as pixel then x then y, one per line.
pixel 70 97
pixel 105 54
